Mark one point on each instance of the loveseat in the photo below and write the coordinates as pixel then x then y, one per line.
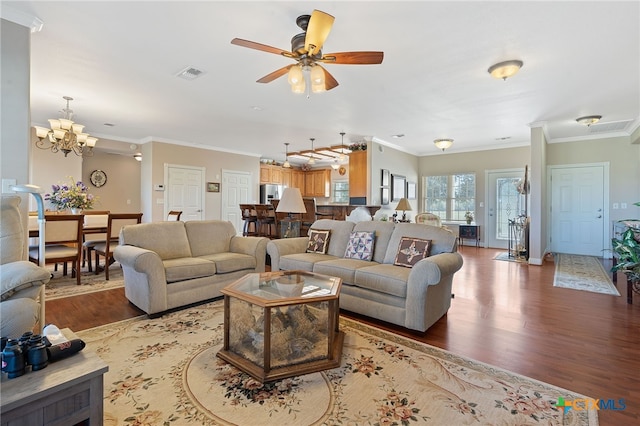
pixel 168 265
pixel 413 296
pixel 22 282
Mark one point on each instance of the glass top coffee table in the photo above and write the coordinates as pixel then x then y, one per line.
pixel 282 324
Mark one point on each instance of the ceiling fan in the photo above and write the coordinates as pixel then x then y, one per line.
pixel 306 51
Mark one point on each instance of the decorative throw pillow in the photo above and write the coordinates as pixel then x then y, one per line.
pixel 360 246
pixel 411 251
pixel 318 241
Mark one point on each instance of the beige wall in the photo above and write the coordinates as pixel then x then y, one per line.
pixel 121 193
pixel 157 154
pixel 398 163
pixel 624 168
pixel 474 162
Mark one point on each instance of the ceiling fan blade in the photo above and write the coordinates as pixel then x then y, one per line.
pixel 329 81
pixel 353 58
pixel 276 74
pixel 319 27
pixel 261 47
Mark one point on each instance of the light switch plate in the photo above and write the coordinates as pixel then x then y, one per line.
pixel 6 184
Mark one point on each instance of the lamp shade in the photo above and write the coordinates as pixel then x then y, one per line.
pixel 403 205
pixel 291 202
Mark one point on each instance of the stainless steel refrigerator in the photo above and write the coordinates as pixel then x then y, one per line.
pixel 270 192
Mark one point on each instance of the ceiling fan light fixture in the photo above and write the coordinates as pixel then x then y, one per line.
pixel 505 69
pixel 588 120
pixel 295 75
pixel 443 143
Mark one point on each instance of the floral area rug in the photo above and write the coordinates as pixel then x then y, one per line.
pixel 585 273
pixel 64 286
pixel 165 372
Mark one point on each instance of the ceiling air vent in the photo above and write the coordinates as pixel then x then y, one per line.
pixel 614 126
pixel 190 73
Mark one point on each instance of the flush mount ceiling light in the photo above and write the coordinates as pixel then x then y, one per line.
pixel 443 143
pixel 286 163
pixel 505 69
pixel 137 156
pixel 65 135
pixel 312 160
pixel 588 120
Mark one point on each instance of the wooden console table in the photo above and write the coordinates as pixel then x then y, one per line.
pixel 66 392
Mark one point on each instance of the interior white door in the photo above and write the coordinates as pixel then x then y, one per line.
pixel 236 189
pixel 185 191
pixel 577 214
pixel 504 203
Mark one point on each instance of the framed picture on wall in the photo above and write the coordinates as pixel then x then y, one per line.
pixel 213 187
pixel 398 186
pixel 384 196
pixel 411 190
pixel 384 182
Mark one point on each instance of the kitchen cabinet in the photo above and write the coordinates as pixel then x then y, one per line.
pixel 270 174
pixel 358 177
pixel 286 177
pixel 317 183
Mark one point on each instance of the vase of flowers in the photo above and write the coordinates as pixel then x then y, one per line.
pixel 468 217
pixel 72 196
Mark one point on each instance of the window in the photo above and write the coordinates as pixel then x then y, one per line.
pixel 340 191
pixel 451 196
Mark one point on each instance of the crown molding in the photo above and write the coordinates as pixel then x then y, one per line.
pixel 21 18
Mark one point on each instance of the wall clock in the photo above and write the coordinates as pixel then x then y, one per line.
pixel 342 170
pixel 98 178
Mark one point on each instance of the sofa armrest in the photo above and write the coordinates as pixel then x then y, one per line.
pixel 283 247
pixel 22 279
pixel 429 289
pixel 252 246
pixel 145 281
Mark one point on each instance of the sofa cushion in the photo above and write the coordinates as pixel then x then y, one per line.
pixel 209 236
pixel 344 269
pixel 167 239
pixel 231 262
pixel 186 268
pixel 302 261
pixel 360 245
pixel 442 240
pixel 318 241
pixel 411 251
pixel 384 278
pixel 383 231
pixel 340 231
pixel 20 275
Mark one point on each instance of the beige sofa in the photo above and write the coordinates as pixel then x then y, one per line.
pixel 168 265
pixel 414 297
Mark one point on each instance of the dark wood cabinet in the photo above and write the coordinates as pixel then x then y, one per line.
pixel 470 232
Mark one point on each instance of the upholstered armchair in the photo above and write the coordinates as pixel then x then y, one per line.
pixel 21 281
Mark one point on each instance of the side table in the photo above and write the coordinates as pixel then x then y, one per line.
pixel 68 392
pixel 471 232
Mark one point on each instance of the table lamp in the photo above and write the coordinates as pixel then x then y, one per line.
pixel 36 191
pixel 403 205
pixel 291 202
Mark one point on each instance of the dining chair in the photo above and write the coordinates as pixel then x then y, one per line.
pixel 250 219
pixel 266 217
pixel 174 215
pixel 311 215
pixel 63 242
pixel 94 232
pixel 115 223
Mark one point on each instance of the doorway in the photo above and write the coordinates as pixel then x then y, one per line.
pixel 236 190
pixel 184 191
pixel 504 204
pixel 579 219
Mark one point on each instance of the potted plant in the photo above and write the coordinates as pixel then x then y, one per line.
pixel 627 253
pixel 468 217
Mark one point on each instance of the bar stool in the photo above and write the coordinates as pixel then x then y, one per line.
pixel 266 217
pixel 250 218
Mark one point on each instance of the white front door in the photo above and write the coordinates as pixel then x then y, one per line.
pixel 504 204
pixel 236 189
pixel 578 217
pixel 184 191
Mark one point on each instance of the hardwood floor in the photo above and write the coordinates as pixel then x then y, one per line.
pixel 505 314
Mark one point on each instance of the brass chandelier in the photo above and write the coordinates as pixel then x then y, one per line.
pixel 65 135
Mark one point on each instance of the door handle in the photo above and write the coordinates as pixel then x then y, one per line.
pixel 599 216
pixel 198 211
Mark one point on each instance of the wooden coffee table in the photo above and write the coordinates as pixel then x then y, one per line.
pixel 282 324
pixel 66 392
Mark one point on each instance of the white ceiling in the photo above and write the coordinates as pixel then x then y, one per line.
pixel 119 61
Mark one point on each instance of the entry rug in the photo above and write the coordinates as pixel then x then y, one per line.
pixel 505 256
pixel 64 286
pixel 585 273
pixel 165 372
